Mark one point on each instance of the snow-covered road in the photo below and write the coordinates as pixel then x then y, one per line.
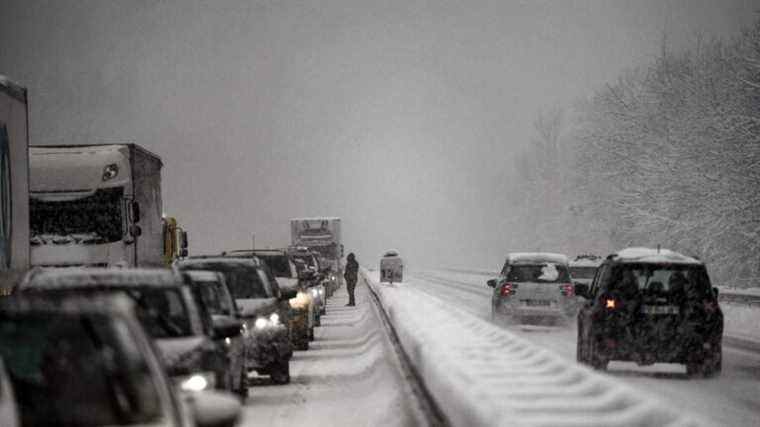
pixel 350 376
pixel 729 400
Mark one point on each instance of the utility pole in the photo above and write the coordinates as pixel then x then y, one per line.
pixel 253 241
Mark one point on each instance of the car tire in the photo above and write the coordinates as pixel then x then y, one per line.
pixel 711 366
pixel 279 372
pixel 593 358
pixel 318 320
pixel 311 334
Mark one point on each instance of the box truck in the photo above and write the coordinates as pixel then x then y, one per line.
pixel 14 183
pixel 321 234
pixel 95 206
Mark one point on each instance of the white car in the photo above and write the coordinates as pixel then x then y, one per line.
pixel 533 288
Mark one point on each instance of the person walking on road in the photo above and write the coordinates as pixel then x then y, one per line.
pixel 351 275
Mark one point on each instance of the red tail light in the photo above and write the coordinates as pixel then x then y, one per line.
pixel 508 289
pixel 567 289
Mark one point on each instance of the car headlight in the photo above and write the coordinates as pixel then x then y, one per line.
pixel 197 382
pixel 110 172
pixel 315 293
pixel 275 319
pixel 261 323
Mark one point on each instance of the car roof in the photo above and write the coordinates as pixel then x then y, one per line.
pixel 81 277
pixel 653 256
pixel 536 258
pixel 390 252
pixel 586 261
pixel 108 304
pixel 221 259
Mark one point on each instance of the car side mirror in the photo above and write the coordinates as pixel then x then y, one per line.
pixel 581 289
pixel 491 283
pixel 183 240
pixel 213 408
pixel 226 327
pixel 716 292
pixel 135 230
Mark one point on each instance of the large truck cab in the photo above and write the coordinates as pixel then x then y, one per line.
pixel 14 183
pixel 95 206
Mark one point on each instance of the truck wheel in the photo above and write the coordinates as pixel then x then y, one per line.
pixel 279 372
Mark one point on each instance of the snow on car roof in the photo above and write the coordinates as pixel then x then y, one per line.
pixel 639 254
pixel 228 259
pixel 78 277
pixel 71 305
pixel 586 262
pixel 536 257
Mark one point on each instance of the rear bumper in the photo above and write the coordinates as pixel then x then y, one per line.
pixel 516 308
pixel 264 347
pixel 650 349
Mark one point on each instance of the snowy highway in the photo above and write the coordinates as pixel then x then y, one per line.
pixel 350 376
pixel 728 400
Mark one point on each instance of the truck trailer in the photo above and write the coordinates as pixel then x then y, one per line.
pixel 14 183
pixel 95 206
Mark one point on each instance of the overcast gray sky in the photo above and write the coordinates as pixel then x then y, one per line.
pixel 401 117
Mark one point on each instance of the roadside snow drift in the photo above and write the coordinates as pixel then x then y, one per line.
pixel 480 374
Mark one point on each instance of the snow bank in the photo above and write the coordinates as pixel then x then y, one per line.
pixel 480 374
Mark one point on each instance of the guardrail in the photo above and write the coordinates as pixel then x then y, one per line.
pixel 724 294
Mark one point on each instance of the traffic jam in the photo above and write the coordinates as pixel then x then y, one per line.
pixel 198 202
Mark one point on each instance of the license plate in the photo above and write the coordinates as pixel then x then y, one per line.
pixel 537 302
pixel 659 309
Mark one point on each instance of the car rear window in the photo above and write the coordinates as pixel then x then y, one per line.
pixel 75 370
pixel 243 279
pixel 279 264
pixel 539 273
pixel 659 278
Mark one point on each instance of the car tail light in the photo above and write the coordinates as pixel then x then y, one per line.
pixel 567 289
pixel 710 306
pixel 610 304
pixel 508 289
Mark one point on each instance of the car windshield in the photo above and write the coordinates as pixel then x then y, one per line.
pixel 90 220
pixel 279 264
pixel 542 273
pixel 75 370
pixel 667 279
pixel 582 272
pixel 243 279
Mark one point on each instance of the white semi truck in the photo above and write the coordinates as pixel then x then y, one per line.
pixel 95 206
pixel 14 183
pixel 321 234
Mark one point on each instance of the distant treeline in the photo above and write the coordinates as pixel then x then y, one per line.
pixel 669 154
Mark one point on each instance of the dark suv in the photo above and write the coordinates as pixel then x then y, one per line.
pixel 649 306
pixel 263 307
